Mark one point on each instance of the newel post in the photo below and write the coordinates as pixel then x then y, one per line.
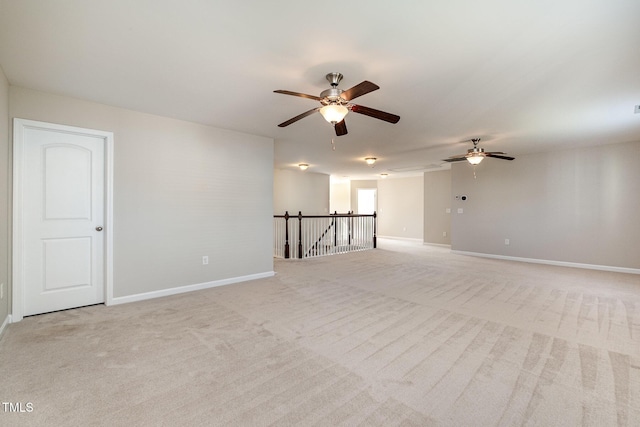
pixel 335 229
pixel 300 234
pixel 286 234
pixel 349 227
pixel 374 230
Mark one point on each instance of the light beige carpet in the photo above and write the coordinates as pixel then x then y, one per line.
pixel 403 335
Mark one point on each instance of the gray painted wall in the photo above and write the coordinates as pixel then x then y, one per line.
pixel 340 196
pixel 437 199
pixel 5 170
pixel 181 191
pixel 400 207
pixel 296 190
pixel 577 206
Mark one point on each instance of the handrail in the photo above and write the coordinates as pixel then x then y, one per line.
pixel 351 232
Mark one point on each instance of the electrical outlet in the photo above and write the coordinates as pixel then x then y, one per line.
pixel 1 290
pixel 444 234
pixel 507 241
pixel 205 260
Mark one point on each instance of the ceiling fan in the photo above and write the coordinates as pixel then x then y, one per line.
pixel 336 105
pixel 476 154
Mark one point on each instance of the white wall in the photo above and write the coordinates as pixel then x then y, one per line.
pixel 5 170
pixel 182 190
pixel 437 199
pixel 340 195
pixel 296 190
pixel 577 206
pixel 400 207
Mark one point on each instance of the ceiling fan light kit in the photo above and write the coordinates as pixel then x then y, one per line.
pixel 334 113
pixel 475 159
pixel 336 104
pixel 475 155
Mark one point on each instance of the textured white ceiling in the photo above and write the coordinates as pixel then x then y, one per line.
pixel 525 76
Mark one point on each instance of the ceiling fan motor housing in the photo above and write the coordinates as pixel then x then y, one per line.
pixel 332 96
pixel 475 150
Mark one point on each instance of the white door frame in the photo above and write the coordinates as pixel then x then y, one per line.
pixel 19 126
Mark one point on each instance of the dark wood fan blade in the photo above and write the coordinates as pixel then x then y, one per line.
pixel 341 128
pixel 376 114
pixel 497 156
pixel 359 90
pixel 298 117
pixel 454 159
pixel 302 95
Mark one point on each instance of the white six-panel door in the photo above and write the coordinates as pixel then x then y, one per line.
pixel 61 218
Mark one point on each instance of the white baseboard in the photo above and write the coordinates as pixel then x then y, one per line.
pixel 406 239
pixel 551 262
pixel 442 245
pixel 188 288
pixel 7 320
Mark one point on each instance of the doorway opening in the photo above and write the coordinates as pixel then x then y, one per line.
pixel 367 201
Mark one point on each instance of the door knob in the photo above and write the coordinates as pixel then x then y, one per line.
pixel 98 228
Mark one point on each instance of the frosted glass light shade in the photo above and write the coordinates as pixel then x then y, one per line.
pixel 475 159
pixel 334 113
